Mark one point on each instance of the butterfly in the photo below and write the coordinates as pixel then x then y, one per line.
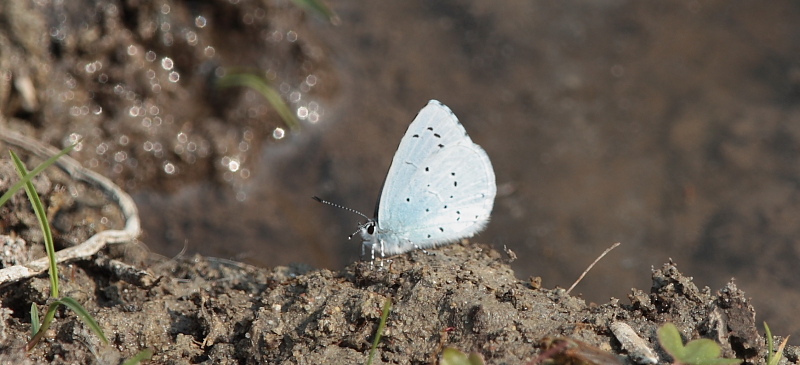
pixel 440 188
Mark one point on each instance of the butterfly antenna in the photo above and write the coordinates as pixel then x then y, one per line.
pixel 340 207
pixel 350 237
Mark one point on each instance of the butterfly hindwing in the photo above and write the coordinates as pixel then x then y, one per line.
pixel 439 206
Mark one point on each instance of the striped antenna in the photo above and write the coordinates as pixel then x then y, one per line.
pixel 340 207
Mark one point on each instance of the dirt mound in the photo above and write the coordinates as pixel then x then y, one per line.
pixel 198 309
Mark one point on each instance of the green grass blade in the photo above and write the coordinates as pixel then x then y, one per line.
pixel 320 9
pixel 261 85
pixel 85 316
pixel 774 355
pixel 34 319
pixel 145 354
pixel 770 345
pixel 33 173
pixel 387 306
pixel 779 351
pixel 48 318
pixel 43 223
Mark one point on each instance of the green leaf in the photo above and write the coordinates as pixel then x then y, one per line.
pixel 85 316
pixel 36 171
pixel 671 341
pixel 719 361
pixel 145 354
pixel 51 312
pixel 451 356
pixel 702 351
pixel 33 196
pixel 475 359
pixel 48 318
pixel 34 319
pixel 699 349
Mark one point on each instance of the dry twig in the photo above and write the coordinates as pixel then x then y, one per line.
pixel 78 172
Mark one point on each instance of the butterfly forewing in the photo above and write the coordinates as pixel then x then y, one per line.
pixel 434 126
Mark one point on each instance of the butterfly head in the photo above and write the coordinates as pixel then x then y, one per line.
pixel 367 230
pixel 369 233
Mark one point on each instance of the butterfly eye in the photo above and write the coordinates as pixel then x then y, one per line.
pixel 371 229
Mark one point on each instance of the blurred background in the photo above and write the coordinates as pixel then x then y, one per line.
pixel 671 127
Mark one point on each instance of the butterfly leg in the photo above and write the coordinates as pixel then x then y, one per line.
pixel 383 253
pixel 372 246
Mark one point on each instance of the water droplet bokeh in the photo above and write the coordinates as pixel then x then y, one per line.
pixel 162 93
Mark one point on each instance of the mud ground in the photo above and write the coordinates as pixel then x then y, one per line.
pixel 203 310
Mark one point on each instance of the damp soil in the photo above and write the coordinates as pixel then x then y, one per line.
pixel 205 310
pixel 195 309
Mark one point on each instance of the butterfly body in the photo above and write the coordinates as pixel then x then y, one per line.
pixel 440 188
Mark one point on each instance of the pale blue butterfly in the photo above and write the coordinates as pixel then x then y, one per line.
pixel 440 188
